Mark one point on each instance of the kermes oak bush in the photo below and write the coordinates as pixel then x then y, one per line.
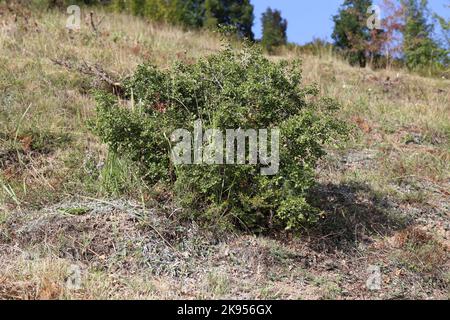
pixel 227 90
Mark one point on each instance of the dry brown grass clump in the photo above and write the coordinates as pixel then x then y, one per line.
pixel 422 252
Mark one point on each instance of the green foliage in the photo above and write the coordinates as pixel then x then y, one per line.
pixel 194 13
pixel 274 30
pixel 138 7
pixel 75 211
pixel 445 26
pixel 237 13
pixel 228 90
pixel 419 48
pixel 188 13
pixel 119 5
pixel 351 33
pixel 445 41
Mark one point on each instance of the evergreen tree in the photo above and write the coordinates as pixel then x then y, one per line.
pixel 274 29
pixel 445 40
pixel 445 25
pixel 188 13
pixel 194 13
pixel 419 49
pixel 158 10
pixel 351 33
pixel 119 5
pixel 236 13
pixel 138 7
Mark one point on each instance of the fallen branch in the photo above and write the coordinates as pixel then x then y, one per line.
pixel 96 71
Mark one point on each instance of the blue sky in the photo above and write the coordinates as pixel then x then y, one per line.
pixel 312 18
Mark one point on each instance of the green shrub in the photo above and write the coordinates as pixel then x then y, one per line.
pixel 227 90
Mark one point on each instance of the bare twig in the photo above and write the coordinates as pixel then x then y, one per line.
pixel 94 25
pixel 93 70
pixel 91 15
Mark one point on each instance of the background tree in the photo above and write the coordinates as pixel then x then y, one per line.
pixel 138 7
pixel 393 24
pixel 274 30
pixel 445 40
pixel 195 13
pixel 374 47
pixel 351 33
pixel 236 13
pixel 419 48
pixel 189 13
pixel 445 25
pixel 119 5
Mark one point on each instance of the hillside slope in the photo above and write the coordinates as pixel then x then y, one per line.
pixel 75 223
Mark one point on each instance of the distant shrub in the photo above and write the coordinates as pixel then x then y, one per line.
pixel 230 89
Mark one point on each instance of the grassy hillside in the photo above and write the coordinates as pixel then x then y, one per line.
pixel 68 207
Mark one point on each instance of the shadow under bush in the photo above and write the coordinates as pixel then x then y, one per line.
pixel 353 213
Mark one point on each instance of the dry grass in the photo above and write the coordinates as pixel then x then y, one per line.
pixel 45 279
pixel 421 251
